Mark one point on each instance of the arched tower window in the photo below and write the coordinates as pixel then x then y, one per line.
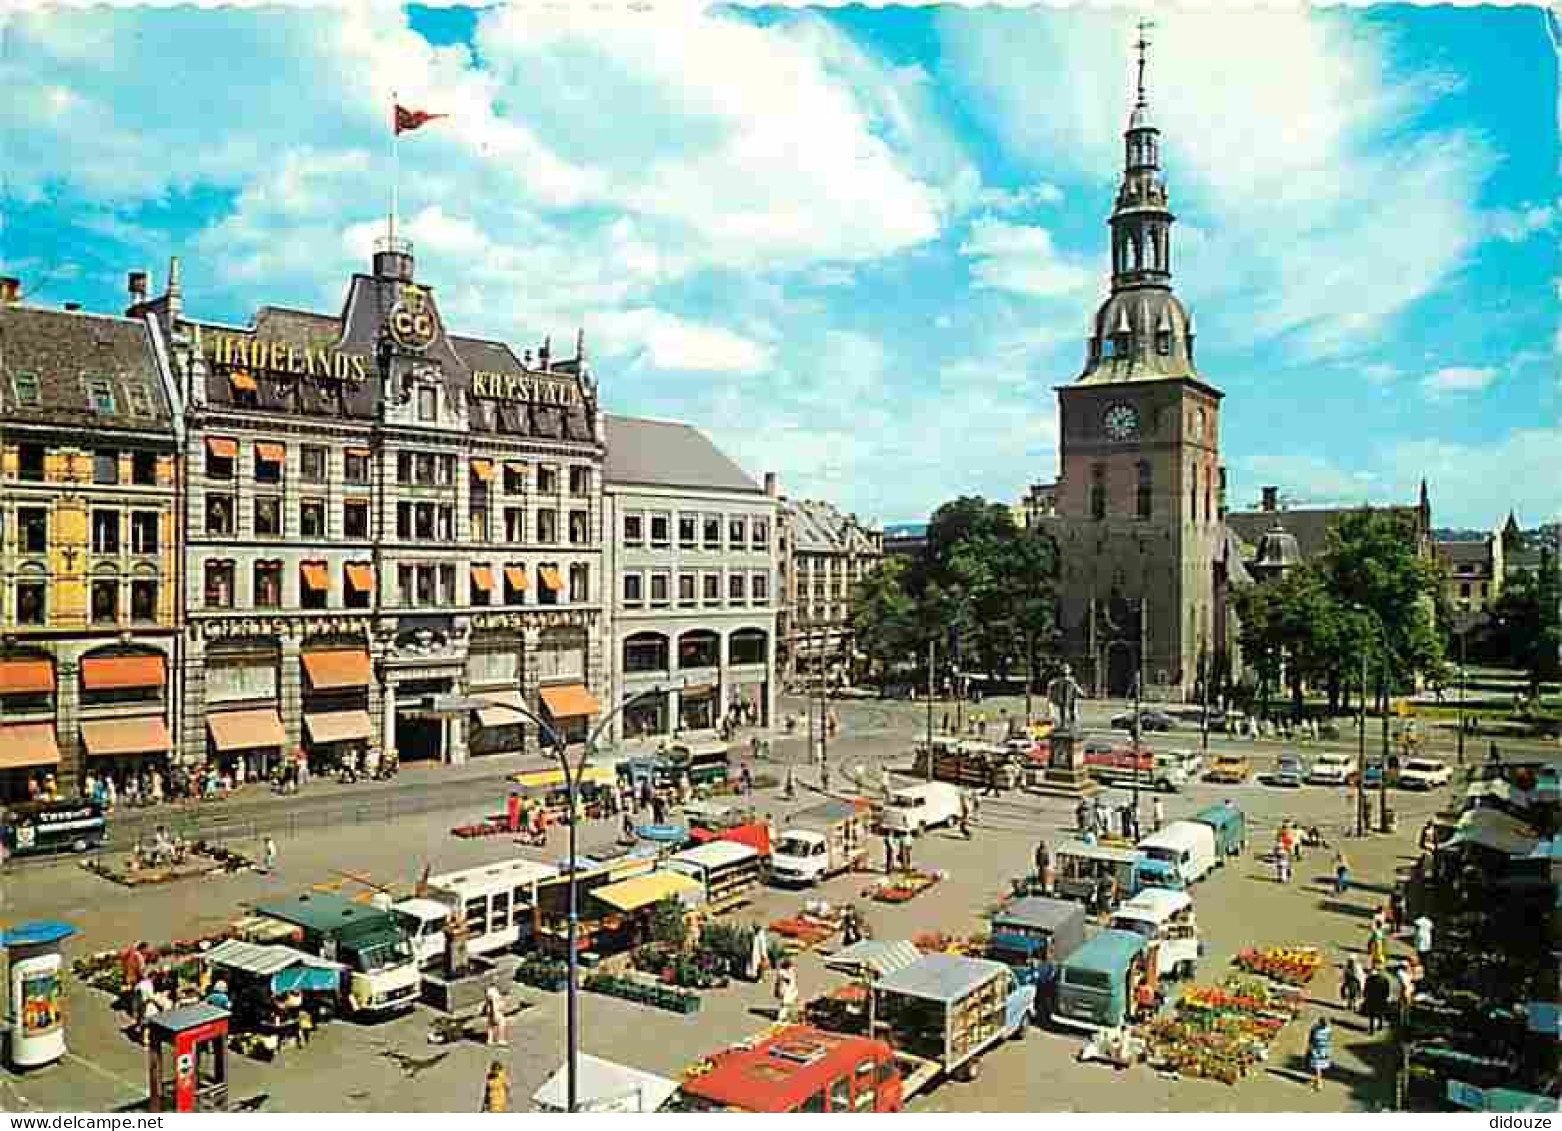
pixel 1098 491
pixel 1193 495
pixel 1138 250
pixel 1144 489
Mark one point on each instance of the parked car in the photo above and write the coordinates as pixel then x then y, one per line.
pixel 1331 769
pixel 1148 720
pixel 1372 775
pixel 1424 773
pixel 1289 771
pixel 1231 768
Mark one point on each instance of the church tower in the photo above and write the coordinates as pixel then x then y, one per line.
pixel 1139 522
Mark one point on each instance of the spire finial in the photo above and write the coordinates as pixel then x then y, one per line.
pixel 1143 46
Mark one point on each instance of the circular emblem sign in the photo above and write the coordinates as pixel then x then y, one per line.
pixel 411 320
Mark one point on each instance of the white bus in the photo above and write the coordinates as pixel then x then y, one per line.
pixel 495 899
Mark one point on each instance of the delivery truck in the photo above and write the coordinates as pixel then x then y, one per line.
pixel 820 842
pixel 369 940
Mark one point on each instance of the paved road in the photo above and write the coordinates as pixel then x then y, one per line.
pixel 347 1067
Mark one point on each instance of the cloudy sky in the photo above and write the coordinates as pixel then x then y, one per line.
pixel 860 247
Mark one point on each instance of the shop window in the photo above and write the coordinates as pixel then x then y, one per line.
pixel 712 532
pixel 143 600
pixel 105 468
pixel 268 517
pixel 688 590
pixel 143 532
pixel 659 590
pixel 30 462
pixel 32 606
pixel 219 585
pixel 34 525
pixel 514 524
pixel 268 585
pixel 355 518
pixel 105 532
pixel 355 468
pixel 580 481
pixel 579 584
pixel 699 650
pixel 660 532
pixel 105 601
pixel 143 469
pixel 645 652
pixel 311 518
pixel 579 528
pixel 634 593
pixel 746 646
pixel 688 532
pixel 634 530
pixel 548 527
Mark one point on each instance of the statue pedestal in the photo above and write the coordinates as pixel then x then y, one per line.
pixel 1065 774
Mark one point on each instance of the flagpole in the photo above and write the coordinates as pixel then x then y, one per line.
pixel 395 171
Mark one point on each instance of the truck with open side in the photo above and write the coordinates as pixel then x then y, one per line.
pixel 821 841
pixel 369 940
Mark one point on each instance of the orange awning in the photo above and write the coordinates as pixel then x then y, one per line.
pixel 246 730
pixel 360 577
pixel 108 673
pixel 483 578
pixel 28 744
pixel 242 381
pixel 222 447
pixel 364 452
pixel 270 453
pixel 516 576
pixel 483 469
pixel 112 737
pixel 331 671
pixel 26 677
pixel 550 578
pixel 338 726
pixel 569 701
pixel 315 577
pixel 515 467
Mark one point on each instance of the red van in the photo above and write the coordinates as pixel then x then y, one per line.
pixel 798 1069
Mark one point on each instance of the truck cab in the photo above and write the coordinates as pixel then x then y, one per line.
pixel 370 941
pixel 799 1069
pixel 801 856
pixel 1112 979
pixel 424 921
pixel 1167 918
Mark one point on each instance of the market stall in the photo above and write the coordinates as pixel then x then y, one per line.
pixel 1221 1032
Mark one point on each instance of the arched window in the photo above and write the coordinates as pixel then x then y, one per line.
pixel 1144 491
pixel 1193 496
pixel 1098 491
pixel 1138 252
pixel 699 649
pixel 645 652
pixel 747 646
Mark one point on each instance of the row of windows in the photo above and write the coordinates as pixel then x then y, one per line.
pixel 695 531
pixel 415 521
pixel 655 589
pixel 423 469
pixel 111 532
pixel 31 465
pixel 697 648
pixel 100 390
pixel 1144 493
pixel 419 585
pixel 107 606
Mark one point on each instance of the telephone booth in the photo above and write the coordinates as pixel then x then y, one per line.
pixel 187 1059
pixel 32 992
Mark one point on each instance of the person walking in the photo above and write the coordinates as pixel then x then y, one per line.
pixel 1082 815
pixel 496 1089
pixel 493 1014
pixel 1377 955
pixel 1157 814
pixel 786 992
pixel 965 814
pixel 1283 868
pixel 1376 993
pixel 269 853
pixel 1341 872
pixel 1320 1051
pixel 1423 938
pixel 1352 981
pixel 891 852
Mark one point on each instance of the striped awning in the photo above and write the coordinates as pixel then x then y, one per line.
pixel 483 469
pixel 242 381
pixel 257 729
pixel 316 578
pixel 505 710
pixel 880 957
pixel 550 578
pixel 28 744
pixel 483 578
pixel 111 673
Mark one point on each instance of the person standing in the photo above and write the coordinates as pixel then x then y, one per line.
pixel 1341 872
pixel 786 992
pixel 1352 982
pixel 890 851
pixel 1320 1051
pixel 1377 954
pixel 493 1014
pixel 269 853
pixel 1375 998
pixel 1423 938
pixel 1283 868
pixel 1157 814
pixel 496 1089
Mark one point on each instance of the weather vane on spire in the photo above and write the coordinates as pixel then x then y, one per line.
pixel 1143 45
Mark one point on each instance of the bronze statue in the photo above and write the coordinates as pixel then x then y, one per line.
pixel 1065 693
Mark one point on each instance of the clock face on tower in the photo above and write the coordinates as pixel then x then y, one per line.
pixel 1121 421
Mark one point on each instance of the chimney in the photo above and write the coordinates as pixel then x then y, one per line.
pixel 1271 499
pixel 136 284
pixel 10 289
pixel 771 487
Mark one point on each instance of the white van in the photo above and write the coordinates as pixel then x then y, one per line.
pixel 1184 848
pixel 495 899
pixel 1167 916
pixel 918 807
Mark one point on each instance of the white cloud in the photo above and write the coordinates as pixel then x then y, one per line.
pixel 1324 219
pixel 1304 480
pixel 1515 225
pixel 1381 372
pixel 1456 380
pixel 1461 476
pixel 1021 199
pixel 1021 259
pixel 656 339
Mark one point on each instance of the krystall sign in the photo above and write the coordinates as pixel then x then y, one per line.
pixel 287 358
pixel 524 388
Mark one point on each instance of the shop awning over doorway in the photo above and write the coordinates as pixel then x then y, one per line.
pixel 317 579
pixel 108 673
pixel 26 677
pixel 338 726
pixel 116 737
pixel 335 671
pixel 28 744
pixel 570 701
pixel 246 730
pixel 642 891
pixel 504 711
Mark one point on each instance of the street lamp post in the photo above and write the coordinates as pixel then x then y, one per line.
pixel 1361 751
pixel 931 645
pixel 1461 698
pixel 1383 693
pixel 572 775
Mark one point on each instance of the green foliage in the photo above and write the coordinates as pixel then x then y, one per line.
pixel 883 614
pixel 1525 623
pixel 668 925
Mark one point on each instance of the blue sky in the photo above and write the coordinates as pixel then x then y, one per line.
pixel 860 247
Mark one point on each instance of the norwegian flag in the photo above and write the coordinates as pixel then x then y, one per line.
pixel 406 120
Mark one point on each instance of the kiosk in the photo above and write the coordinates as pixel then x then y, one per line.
pixel 34 996
pixel 187 1059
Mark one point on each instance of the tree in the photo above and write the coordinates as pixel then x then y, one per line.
pixel 1525 619
pixel 883 614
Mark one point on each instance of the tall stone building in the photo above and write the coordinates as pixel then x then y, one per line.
pixel 824 554
pixel 89 600
pixel 393 532
pixel 1138 512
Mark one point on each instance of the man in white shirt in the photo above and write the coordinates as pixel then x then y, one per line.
pixel 1423 929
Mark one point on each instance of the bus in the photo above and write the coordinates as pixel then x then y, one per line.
pixel 39 828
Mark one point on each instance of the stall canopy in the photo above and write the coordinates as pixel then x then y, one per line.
pixel 940 977
pixel 642 891
pixel 881 957
pixel 505 710
pixel 549 779
pixel 516 576
pixel 336 671
pixel 338 726
pixel 109 673
pixel 28 744
pixel 26 677
pixel 604 1086
pixel 1496 830
pixel 288 970
pixel 246 730
pixel 148 735
pixel 569 701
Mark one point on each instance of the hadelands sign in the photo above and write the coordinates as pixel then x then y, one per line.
pixel 287 358
pixel 524 388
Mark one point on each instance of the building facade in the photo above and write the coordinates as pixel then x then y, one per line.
pixel 824 554
pixel 692 551
pixel 392 532
pixel 89 582
pixel 1139 528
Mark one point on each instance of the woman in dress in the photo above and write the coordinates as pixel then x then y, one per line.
pixel 1320 1051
